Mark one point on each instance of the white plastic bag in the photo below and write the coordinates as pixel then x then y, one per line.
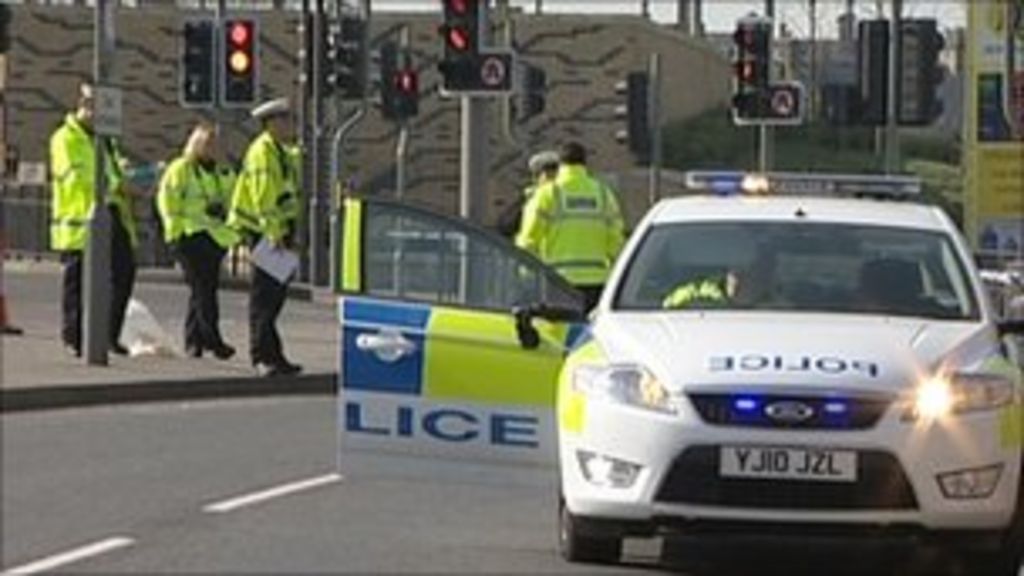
pixel 142 333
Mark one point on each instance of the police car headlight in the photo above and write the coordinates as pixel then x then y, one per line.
pixel 942 396
pixel 624 384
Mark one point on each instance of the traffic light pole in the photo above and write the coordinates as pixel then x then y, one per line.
pixel 337 146
pixel 892 133
pixel 317 203
pixel 96 285
pixel 473 173
pixel 766 136
pixel 654 121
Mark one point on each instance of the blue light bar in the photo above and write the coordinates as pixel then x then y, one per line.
pixel 717 182
pixel 803 184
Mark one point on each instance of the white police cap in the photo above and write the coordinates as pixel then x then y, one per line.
pixel 542 160
pixel 271 108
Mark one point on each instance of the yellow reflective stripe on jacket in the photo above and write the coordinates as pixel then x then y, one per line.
pixel 692 292
pixel 574 218
pixel 186 194
pixel 265 196
pixel 72 162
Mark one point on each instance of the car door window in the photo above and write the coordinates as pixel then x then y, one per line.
pixel 412 254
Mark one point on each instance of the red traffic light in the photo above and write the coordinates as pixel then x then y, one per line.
pixel 240 33
pixel 745 71
pixel 458 38
pixel 407 81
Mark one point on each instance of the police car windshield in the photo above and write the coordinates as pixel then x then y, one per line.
pixel 782 266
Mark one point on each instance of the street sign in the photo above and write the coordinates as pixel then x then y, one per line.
pixel 487 74
pixel 107 118
pixel 493 71
pixel 780 105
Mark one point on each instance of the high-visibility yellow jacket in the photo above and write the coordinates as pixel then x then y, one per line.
pixel 193 199
pixel 72 165
pixel 574 224
pixel 266 196
pixel 706 291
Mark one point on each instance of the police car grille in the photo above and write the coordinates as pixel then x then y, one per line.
pixel 856 413
pixel 694 479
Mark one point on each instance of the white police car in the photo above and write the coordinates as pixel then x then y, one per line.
pixel 793 364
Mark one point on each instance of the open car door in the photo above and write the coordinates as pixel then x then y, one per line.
pixel 451 339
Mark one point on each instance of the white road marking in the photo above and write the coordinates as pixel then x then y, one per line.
pixel 271 493
pixel 65 558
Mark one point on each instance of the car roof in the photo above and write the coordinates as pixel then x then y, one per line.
pixel 809 209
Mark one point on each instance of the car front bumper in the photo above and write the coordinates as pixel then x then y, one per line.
pixel 670 449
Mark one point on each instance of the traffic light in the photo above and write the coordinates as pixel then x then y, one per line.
pixel 873 71
pixel 344 64
pixel 399 85
pixel 461 33
pixel 5 28
pixel 751 70
pixel 197 88
pixel 920 74
pixel 461 29
pixel 240 66
pixel 530 99
pixel 637 134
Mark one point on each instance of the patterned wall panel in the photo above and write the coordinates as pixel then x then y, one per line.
pixel 584 57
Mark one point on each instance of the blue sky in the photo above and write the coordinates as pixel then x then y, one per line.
pixel 721 15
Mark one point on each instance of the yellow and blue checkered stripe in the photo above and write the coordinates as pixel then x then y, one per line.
pixel 459 355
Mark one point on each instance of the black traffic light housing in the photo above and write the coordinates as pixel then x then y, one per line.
pixel 399 84
pixel 344 61
pixel 636 112
pixel 751 71
pixel 5 28
pixel 461 33
pixel 198 54
pixel 240 66
pixel 872 71
pixel 530 97
pixel 920 73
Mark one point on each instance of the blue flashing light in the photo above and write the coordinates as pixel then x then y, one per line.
pixel 836 408
pixel 745 404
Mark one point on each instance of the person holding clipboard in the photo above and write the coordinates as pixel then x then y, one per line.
pixel 265 209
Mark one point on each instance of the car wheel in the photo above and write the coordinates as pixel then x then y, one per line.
pixel 575 547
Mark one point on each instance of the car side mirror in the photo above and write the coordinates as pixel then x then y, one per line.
pixel 1010 327
pixel 529 338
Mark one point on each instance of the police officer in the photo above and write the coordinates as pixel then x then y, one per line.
pixel 748 288
pixel 573 223
pixel 72 162
pixel 192 201
pixel 543 168
pixel 265 207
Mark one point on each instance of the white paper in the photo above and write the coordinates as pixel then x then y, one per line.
pixel 279 263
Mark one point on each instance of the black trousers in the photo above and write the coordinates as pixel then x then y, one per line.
pixel 122 281
pixel 266 299
pixel 200 258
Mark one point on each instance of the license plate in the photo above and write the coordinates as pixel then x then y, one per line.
pixel 811 464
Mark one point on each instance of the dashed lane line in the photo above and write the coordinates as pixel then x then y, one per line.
pixel 270 493
pixel 70 557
